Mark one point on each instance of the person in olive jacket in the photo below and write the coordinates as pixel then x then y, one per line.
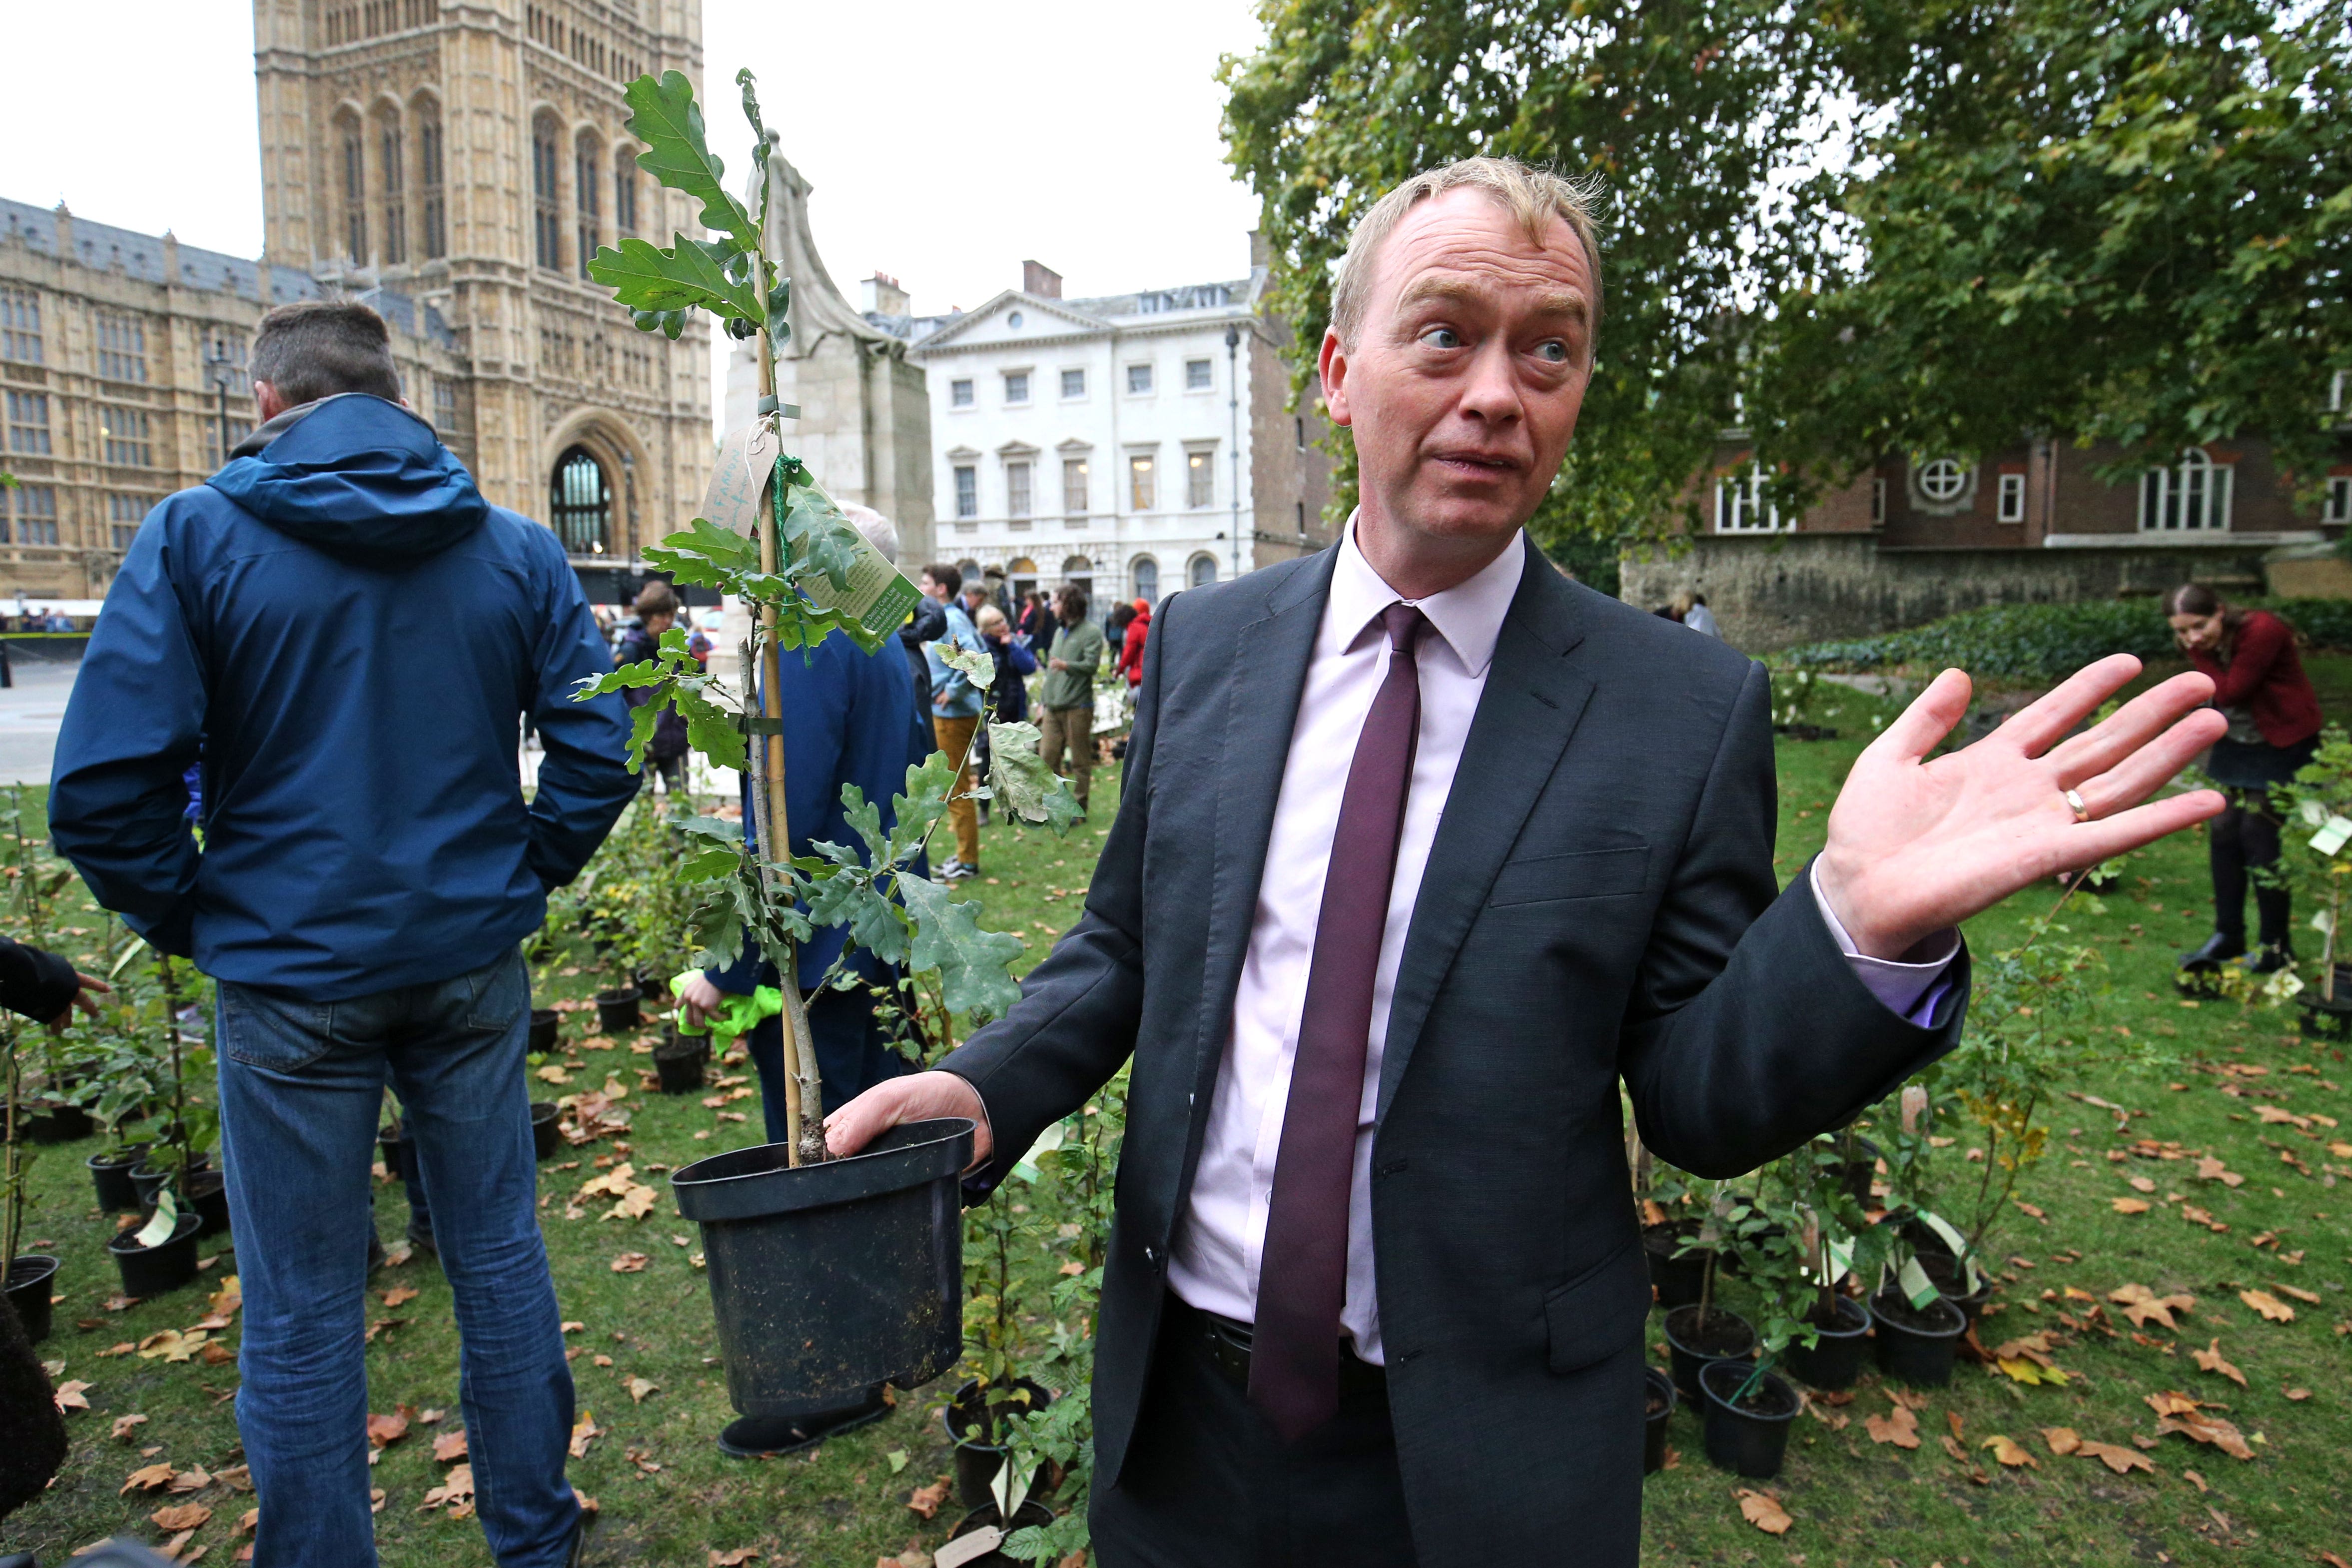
pixel 1066 697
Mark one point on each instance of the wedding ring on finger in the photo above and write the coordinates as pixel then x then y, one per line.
pixel 2074 804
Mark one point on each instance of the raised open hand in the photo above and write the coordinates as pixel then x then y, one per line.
pixel 1915 847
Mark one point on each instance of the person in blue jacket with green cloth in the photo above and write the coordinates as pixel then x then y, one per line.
pixel 350 637
pixel 849 718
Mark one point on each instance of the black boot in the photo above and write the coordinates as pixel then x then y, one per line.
pixel 2275 952
pixel 2216 951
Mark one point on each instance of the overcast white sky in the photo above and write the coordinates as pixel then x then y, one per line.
pixel 946 142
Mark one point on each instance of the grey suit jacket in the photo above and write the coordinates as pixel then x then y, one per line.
pixel 1599 905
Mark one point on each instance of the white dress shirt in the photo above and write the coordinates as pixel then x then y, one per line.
pixel 1215 1261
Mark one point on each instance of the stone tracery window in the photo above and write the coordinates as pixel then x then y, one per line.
pixel 391 158
pixel 625 191
pixel 547 225
pixel 587 196
pixel 354 141
pixel 432 182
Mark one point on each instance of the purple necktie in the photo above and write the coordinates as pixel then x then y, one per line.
pixel 1302 1278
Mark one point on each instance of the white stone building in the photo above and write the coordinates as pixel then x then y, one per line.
pixel 1137 443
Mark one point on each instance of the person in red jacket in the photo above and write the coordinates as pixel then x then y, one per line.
pixel 2260 687
pixel 1130 652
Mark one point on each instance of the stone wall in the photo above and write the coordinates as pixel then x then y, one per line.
pixel 1775 592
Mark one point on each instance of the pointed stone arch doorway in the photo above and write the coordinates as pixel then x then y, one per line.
pixel 580 503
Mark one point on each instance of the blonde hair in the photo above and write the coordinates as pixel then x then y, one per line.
pixel 1532 196
pixel 990 616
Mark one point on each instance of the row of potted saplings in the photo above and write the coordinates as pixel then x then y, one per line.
pixel 1835 1279
pixel 120 1080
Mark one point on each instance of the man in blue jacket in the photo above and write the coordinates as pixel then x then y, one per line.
pixel 355 636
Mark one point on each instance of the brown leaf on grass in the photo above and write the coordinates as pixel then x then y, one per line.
pixel 194 1479
pixel 228 1298
pixel 1899 1427
pixel 1909 1398
pixel 630 1263
pixel 1952 1447
pixel 2142 1184
pixel 183 1516
pixel 2210 1360
pixel 400 1293
pixel 385 1430
pixel 734 1559
pixel 641 1386
pixel 2143 1306
pixel 2308 1298
pixel 449 1446
pixel 926 1501
pixel 1763 1510
pixel 123 1425
pixel 2268 1305
pixel 171 1344
pixel 636 1204
pixel 237 1478
pixel 382 1325
pixel 170 1550
pixel 2062 1440
pixel 2129 1206
pixel 2194 1480
pixel 2209 1168
pixel 585 1431
pixel 2027 1209
pixel 1952 1419
pixel 2119 1460
pixel 251 1521
pixel 152 1477
pixel 69 1396
pixel 456 1489
pixel 2008 1453
pixel 2296 1395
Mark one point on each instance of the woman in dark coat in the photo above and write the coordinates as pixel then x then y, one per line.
pixel 2260 687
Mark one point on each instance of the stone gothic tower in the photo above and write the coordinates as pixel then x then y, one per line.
pixel 467 157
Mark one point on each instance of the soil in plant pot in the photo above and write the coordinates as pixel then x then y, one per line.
pixel 680 1069
pixel 30 1283
pixel 546 1136
pixel 1836 1357
pixel 1947 1274
pixel 110 1175
pixel 616 1010
pixel 546 1028
pixel 1746 1433
pixel 1916 1344
pixel 1678 1280
pixel 1726 1336
pixel 152 1271
pixel 1658 1409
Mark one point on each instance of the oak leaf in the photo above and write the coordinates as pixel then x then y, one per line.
pixel 1764 1511
pixel 2268 1305
pixel 2210 1360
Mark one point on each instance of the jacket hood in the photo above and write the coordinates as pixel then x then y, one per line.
pixel 357 476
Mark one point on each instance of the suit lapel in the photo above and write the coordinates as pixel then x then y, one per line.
pixel 1268 673
pixel 1530 709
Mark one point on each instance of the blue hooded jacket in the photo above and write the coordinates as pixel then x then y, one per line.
pixel 353 634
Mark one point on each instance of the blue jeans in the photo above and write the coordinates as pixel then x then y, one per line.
pixel 301 1085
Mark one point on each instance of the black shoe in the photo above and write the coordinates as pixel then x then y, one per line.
pixel 757 1436
pixel 2216 951
pixel 421 1235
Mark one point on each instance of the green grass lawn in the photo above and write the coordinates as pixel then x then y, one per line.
pixel 667 1497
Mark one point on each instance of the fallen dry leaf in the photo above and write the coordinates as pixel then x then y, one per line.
pixel 2296 1395
pixel 2308 1298
pixel 457 1489
pixel 641 1386
pixel 252 1519
pixel 228 1297
pixel 449 1446
pixel 2129 1206
pixel 734 1559
pixel 1764 1511
pixel 585 1431
pixel 124 1424
pixel 1899 1427
pixel 630 1263
pixel 2142 1184
pixel 2143 1306
pixel 2008 1452
pixel 385 1430
pixel 170 1550
pixel 398 1294
pixel 184 1516
pixel 2268 1305
pixel 2116 1460
pixel 69 1396
pixel 2062 1440
pixel 2210 1360
pixel 2210 1169
pixel 194 1479
pixel 926 1501
pixel 153 1477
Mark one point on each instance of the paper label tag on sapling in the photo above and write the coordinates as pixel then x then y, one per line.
pixel 1916 1288
pixel 2330 838
pixel 158 1230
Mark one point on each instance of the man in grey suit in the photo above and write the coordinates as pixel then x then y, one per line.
pixel 1423 850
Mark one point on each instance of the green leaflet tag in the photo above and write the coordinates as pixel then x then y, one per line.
pixel 158 1230
pixel 1916 1288
pixel 1951 1237
pixel 2330 838
pixel 1840 1261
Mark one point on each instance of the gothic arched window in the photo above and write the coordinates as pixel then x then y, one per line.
pixel 392 159
pixel 547 225
pixel 587 200
pixel 353 140
pixel 432 181
pixel 580 506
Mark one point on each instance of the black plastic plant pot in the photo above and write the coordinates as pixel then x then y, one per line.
pixel 1031 1512
pixel 1659 1399
pixel 1748 1438
pixel 28 1291
pixel 149 1180
pixel 110 1175
pixel 207 1194
pixel 654 988
pixel 616 1010
pixel 52 1121
pixel 1835 1359
pixel 546 1026
pixel 680 1066
pixel 1916 1344
pixel 1950 1277
pixel 152 1271
pixel 546 1136
pixel 1678 1280
pixel 2324 1020
pixel 829 1279
pixel 976 1421
pixel 1727 1337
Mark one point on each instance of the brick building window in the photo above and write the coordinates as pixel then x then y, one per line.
pixel 1942 479
pixel 28 423
pixel 2012 498
pixel 35 515
pixel 20 325
pixel 2339 505
pixel 2192 498
pixel 123 515
pixel 123 437
pixel 121 347
pixel 1742 507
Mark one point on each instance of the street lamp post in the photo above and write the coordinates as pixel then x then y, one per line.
pixel 1234 397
